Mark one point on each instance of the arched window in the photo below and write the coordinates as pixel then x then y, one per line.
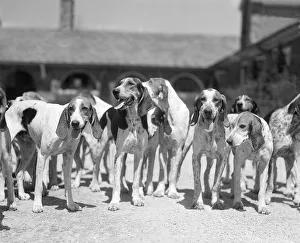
pixel 78 81
pixel 18 82
pixel 187 82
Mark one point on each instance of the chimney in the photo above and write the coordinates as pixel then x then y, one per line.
pixel 66 14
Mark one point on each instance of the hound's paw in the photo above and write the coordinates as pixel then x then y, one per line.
pixel 289 194
pixel 243 186
pixel 37 208
pixel 113 207
pixel 137 202
pixel 12 206
pixel 263 210
pixel 54 188
pixel 73 207
pixel 75 184
pixel 198 206
pixel 297 200
pixel 238 206
pixel 24 196
pixel 173 194
pixel 218 205
pixel 2 197
pixel 149 190
pixel 267 199
pixel 95 187
pixel 141 192
pixel 159 192
pixel 207 194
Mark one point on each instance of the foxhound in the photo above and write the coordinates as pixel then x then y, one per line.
pixel 55 129
pixel 284 125
pixel 209 119
pixel 102 148
pixel 5 156
pixel 128 125
pixel 244 103
pixel 175 126
pixel 251 138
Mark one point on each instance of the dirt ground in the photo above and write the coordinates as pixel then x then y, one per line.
pixel 160 220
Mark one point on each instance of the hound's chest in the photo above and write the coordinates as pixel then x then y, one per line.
pixel 133 139
pixel 208 144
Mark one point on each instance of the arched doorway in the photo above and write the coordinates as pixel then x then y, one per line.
pixel 187 86
pixel 78 81
pixel 18 82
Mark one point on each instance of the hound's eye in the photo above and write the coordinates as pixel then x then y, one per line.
pixel 215 100
pixel 71 108
pixel 203 99
pixel 131 83
pixel 242 126
pixel 85 109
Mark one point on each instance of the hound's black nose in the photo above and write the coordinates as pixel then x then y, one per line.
pixel 229 141
pixel 75 124
pixel 239 105
pixel 116 93
pixel 208 112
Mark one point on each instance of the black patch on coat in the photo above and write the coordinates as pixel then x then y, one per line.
pixel 28 115
pixel 145 123
pixel 2 122
pixel 117 119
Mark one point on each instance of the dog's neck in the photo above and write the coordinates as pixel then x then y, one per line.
pixel 132 113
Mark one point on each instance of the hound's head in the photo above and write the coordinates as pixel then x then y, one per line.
pixel 244 103
pixel 76 116
pixel 159 89
pixel 247 128
pixel 130 92
pixel 30 95
pixel 3 104
pixel 209 107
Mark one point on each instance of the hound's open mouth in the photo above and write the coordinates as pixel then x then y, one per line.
pixel 124 103
pixel 208 123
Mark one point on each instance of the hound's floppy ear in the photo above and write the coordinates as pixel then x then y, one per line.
pixel 255 133
pixel 255 108
pixel 145 102
pixel 95 124
pixel 3 105
pixel 223 111
pixel 159 117
pixel 195 116
pixel 63 124
pixel 294 107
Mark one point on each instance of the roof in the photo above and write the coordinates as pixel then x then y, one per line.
pixel 263 26
pixel 283 37
pixel 84 47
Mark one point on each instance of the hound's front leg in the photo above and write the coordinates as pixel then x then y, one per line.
pixel 175 159
pixel 2 184
pixel 162 181
pixel 67 169
pixel 263 174
pixel 53 173
pixel 149 182
pixel 7 164
pixel 220 166
pixel 38 190
pixel 237 202
pixel 136 199
pixel 197 199
pixel 297 179
pixel 114 203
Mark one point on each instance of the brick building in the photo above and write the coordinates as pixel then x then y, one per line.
pixel 67 59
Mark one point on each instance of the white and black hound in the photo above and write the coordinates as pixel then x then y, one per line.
pixel 55 129
pixel 128 124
